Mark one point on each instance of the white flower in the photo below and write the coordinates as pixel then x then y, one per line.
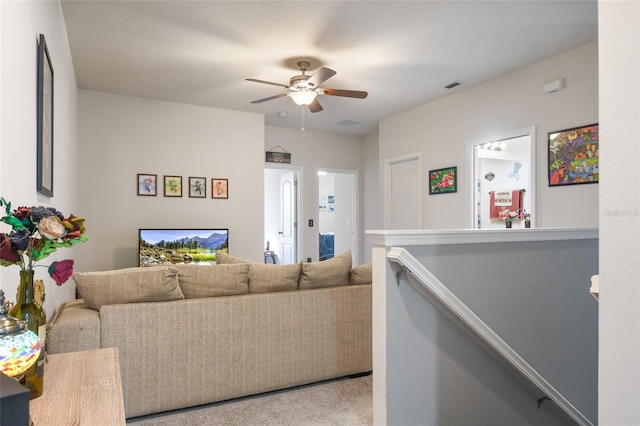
pixel 51 228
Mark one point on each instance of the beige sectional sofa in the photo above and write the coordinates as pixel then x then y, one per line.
pixel 192 334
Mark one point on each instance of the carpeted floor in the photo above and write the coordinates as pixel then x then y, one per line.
pixel 343 402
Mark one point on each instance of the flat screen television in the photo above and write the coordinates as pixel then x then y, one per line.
pixel 177 246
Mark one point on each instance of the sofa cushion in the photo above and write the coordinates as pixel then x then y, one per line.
pixel 328 273
pixel 264 278
pixel 225 259
pixel 152 284
pixel 213 280
pixel 361 274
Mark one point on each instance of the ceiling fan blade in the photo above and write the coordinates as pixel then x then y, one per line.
pixel 267 82
pixel 315 106
pixel 346 93
pixel 322 75
pixel 259 101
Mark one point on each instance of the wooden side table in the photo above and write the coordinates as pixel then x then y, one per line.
pixel 80 388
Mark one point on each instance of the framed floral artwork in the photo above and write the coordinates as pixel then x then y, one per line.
pixel 173 186
pixel 574 156
pixel 147 184
pixel 219 188
pixel 443 181
pixel 197 187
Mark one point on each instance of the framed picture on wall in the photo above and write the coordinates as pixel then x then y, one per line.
pixel 147 184
pixel 173 186
pixel 197 187
pixel 574 156
pixel 44 168
pixel 219 188
pixel 443 181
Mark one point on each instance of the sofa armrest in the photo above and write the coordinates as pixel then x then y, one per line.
pixel 75 327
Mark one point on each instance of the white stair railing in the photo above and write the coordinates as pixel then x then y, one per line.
pixel 442 298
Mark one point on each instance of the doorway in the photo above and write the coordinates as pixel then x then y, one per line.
pixel 402 193
pixel 281 214
pixel 337 215
pixel 503 173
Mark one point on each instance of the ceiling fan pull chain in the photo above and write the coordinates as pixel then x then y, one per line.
pixel 303 125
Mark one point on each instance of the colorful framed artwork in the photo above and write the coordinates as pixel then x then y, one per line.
pixel 44 167
pixel 574 156
pixel 147 184
pixel 219 188
pixel 443 181
pixel 173 186
pixel 197 187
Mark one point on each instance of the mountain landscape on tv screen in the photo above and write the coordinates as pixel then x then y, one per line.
pixel 192 249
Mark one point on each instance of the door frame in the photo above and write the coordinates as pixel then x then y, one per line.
pixel 388 163
pixel 355 214
pixel 299 244
pixel 471 161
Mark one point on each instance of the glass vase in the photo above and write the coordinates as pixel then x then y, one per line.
pixel 33 315
pixel 508 223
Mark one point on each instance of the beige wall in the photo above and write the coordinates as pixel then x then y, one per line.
pixel 619 351
pixel 20 25
pixel 310 152
pixel 440 131
pixel 121 136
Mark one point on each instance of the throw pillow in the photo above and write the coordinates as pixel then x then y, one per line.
pixel 264 278
pixel 328 273
pixel 361 274
pixel 213 280
pixel 225 259
pixel 130 285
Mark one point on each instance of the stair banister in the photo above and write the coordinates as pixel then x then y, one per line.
pixel 441 297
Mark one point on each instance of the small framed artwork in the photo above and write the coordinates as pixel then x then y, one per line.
pixel 443 181
pixel 219 188
pixel 173 186
pixel 44 170
pixel 574 156
pixel 197 187
pixel 147 184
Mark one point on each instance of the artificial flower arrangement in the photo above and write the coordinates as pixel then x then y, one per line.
pixel 36 233
pixel 518 214
pixel 508 215
pixel 522 214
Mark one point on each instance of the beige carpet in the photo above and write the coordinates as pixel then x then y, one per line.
pixel 341 402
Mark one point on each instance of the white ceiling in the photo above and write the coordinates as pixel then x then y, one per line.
pixel 402 52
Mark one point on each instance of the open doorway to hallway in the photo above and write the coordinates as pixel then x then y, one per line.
pixel 281 214
pixel 338 213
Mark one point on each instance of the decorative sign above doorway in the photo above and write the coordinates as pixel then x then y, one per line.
pixel 278 157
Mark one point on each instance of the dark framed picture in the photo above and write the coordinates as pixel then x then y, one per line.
pixel 197 187
pixel 44 173
pixel 219 188
pixel 574 156
pixel 147 184
pixel 443 181
pixel 173 186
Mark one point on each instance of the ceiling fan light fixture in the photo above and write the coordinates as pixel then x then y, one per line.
pixel 303 97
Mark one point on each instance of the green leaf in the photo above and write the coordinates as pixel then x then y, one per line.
pixel 15 223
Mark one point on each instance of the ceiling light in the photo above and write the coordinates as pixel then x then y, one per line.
pixel 303 97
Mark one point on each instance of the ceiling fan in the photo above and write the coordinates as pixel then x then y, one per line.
pixel 304 89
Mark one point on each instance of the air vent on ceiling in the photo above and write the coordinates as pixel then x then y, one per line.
pixel 348 123
pixel 452 85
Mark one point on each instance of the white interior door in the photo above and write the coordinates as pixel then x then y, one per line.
pixel 288 218
pixel 402 193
